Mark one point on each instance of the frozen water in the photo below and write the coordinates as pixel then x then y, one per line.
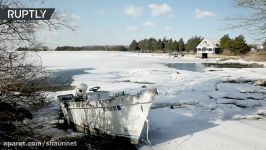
pixel 194 110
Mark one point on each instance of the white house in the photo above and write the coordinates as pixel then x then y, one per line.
pixel 260 48
pixel 257 48
pixel 208 46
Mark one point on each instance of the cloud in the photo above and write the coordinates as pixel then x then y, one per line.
pixel 201 14
pixel 160 9
pixel 148 24
pixel 167 27
pixel 133 11
pixel 132 28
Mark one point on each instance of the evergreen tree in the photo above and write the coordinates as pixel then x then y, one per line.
pixel 142 45
pixel 181 45
pixel 238 45
pixel 164 44
pixel 154 44
pixel 192 44
pixel 168 46
pixel 133 46
pixel 160 44
pixel 240 38
pixel 175 46
pixel 149 45
pixel 224 42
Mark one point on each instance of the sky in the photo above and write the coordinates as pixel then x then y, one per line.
pixel 114 22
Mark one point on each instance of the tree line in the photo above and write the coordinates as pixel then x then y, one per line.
pixel 42 48
pixel 77 48
pixel 165 45
pixel 92 48
pixel 228 46
pixel 234 46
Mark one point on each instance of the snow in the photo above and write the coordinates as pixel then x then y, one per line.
pixel 194 110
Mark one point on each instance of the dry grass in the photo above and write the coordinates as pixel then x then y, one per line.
pixel 223 57
pixel 255 56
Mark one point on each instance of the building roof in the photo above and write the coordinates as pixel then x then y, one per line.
pixel 209 43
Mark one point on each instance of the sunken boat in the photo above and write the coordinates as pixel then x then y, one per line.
pixel 117 114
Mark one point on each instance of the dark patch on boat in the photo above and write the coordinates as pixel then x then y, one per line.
pixel 98 140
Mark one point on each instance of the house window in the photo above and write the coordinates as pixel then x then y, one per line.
pixel 210 49
pixel 204 49
pixel 199 49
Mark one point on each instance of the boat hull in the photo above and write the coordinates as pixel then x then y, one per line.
pixel 122 116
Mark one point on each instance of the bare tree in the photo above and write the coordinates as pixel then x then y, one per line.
pixel 256 22
pixel 16 69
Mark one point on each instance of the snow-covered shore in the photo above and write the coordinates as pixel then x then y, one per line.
pixel 194 110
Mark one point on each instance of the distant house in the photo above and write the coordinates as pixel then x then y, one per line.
pixel 260 48
pixel 208 47
pixel 257 48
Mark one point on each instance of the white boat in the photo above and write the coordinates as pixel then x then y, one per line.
pixel 119 114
